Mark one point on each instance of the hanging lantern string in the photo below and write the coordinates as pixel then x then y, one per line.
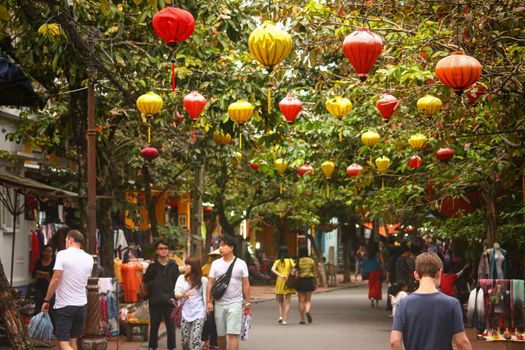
pixel 173 82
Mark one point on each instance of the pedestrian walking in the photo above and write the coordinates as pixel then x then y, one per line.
pixel 373 268
pixel 306 285
pixel 71 271
pixel 190 290
pixel 398 292
pixel 283 294
pixel 360 257
pixel 209 331
pixel 428 319
pixel 229 307
pixel 159 279
pixel 448 280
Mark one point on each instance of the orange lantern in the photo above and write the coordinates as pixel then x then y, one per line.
pixel 458 71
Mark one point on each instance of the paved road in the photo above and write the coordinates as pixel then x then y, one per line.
pixel 343 319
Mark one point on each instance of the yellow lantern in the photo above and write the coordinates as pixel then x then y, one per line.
pixel 50 30
pixel 240 112
pixel 339 107
pixel 270 46
pixel 281 165
pixel 382 164
pixel 328 168
pixel 220 138
pixel 237 159
pixel 370 138
pixel 417 141
pixel 429 105
pixel 148 105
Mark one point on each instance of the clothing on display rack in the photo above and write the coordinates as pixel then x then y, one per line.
pixel 108 304
pixel 503 303
pixel 131 279
pixel 120 243
pixel 476 309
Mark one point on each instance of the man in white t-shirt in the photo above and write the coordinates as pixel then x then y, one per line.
pixel 229 308
pixel 72 269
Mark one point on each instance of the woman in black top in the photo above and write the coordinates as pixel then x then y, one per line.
pixel 43 272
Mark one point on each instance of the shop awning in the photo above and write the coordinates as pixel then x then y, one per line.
pixel 24 184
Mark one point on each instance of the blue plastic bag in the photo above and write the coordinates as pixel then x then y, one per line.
pixel 40 327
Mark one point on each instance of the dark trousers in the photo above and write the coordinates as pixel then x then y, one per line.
pixel 209 331
pixel 157 312
pixel 40 295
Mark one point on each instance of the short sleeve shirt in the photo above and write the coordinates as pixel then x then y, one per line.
pixel 428 321
pixel 234 291
pixel 447 284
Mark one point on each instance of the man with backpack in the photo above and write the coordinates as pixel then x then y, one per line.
pixel 228 286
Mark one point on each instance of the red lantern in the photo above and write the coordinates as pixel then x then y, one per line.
pixel 254 166
pixel 194 103
pixel 445 154
pixel 305 169
pixel 387 105
pixel 149 153
pixel 474 91
pixel 208 210
pixel 290 107
pixel 458 71
pixel 415 162
pixel 354 170
pixel 362 48
pixel 173 25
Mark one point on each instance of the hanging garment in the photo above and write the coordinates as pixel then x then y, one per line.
pixel 117 270
pixel 35 250
pixel 131 282
pixel 498 264
pixel 518 303
pixel 476 309
pixel 483 267
pixel 120 243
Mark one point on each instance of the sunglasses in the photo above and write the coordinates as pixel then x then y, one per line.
pixel 162 248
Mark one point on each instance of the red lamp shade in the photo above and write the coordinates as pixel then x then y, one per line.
pixel 362 48
pixel 354 170
pixel 194 104
pixel 458 71
pixel 254 166
pixel 173 25
pixel 387 105
pixel 149 153
pixel 415 162
pixel 290 107
pixel 305 169
pixel 474 91
pixel 445 154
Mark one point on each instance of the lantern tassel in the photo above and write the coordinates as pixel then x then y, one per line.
pixel 274 152
pixel 269 100
pixel 340 134
pixel 289 140
pixel 149 134
pixel 173 83
pixel 281 187
pixel 194 136
pixel 240 139
pixel 327 190
pixel 382 184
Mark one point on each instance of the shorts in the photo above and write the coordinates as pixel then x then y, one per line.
pixel 305 284
pixel 228 318
pixel 70 322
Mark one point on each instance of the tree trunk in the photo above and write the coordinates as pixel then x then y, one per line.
pixel 196 214
pixel 16 332
pixel 149 200
pixel 106 226
pixel 488 193
pixel 346 236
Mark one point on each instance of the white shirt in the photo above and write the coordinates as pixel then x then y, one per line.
pixel 234 291
pixel 195 305
pixel 76 266
pixel 396 299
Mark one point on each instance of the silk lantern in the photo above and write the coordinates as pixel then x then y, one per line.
pixel 339 107
pixel 240 112
pixel 149 153
pixel 415 162
pixel 458 71
pixel 387 106
pixel 382 165
pixel 194 104
pixel 221 138
pixel 270 46
pixel 429 105
pixel 417 141
pixel 354 170
pixel 149 104
pixel 290 107
pixel 370 138
pixel 362 48
pixel 304 169
pixel 445 154
pixel 281 165
pixel 254 165
pixel 173 25
pixel 328 168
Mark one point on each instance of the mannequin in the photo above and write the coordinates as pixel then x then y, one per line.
pixel 498 267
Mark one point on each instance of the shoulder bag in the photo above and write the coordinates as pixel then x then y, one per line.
pixel 176 313
pixel 221 284
pixel 293 277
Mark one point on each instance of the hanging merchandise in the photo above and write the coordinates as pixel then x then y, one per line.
pixel 149 104
pixel 328 168
pixel 370 138
pixel 445 154
pixel 387 105
pixel 362 48
pixel 281 165
pixel 304 169
pixel 173 25
pixel 354 170
pixel 194 104
pixel 429 105
pixel 270 46
pixel 290 107
pixel 149 153
pixel 417 141
pixel 458 71
pixel 240 112
pixel 339 107
pixel 415 162
pixel 220 138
